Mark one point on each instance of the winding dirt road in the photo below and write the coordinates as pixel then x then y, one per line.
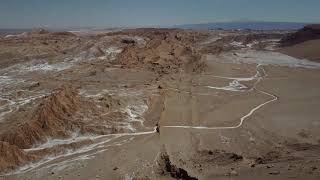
pixel 234 86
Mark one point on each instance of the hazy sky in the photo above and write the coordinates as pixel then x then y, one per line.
pixel 112 13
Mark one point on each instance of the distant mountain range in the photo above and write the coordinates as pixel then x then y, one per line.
pixel 13 31
pixel 245 25
pixel 255 25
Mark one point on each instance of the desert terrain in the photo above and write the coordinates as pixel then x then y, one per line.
pixel 160 104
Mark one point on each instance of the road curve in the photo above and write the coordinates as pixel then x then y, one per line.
pixel 258 76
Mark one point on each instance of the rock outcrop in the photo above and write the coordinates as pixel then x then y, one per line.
pixel 11 157
pixel 167 168
pixel 309 32
pixel 52 118
pixel 164 52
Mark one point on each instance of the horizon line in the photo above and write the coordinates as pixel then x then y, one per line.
pixel 154 26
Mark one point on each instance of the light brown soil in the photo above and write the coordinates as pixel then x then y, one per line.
pixel 306 50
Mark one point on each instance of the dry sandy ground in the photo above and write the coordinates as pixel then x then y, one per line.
pixel 235 120
pixel 305 50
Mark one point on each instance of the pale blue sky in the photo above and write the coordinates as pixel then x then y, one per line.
pixel 115 13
